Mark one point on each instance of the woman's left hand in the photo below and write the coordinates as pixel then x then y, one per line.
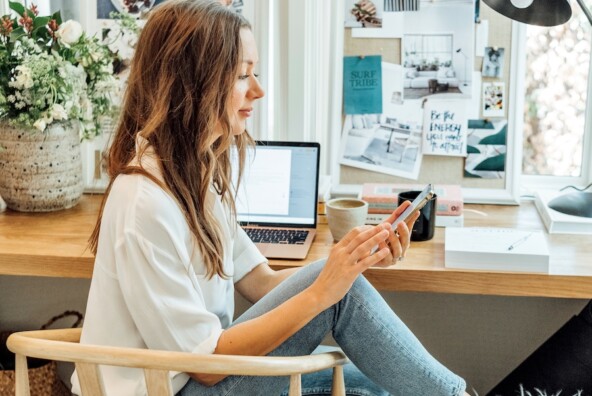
pixel 398 242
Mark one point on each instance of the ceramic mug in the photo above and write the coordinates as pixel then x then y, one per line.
pixel 343 214
pixel 424 227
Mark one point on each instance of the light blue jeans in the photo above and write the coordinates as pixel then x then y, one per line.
pixel 388 358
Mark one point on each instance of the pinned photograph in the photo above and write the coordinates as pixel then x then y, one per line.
pixel 486 149
pixel 437 50
pixel 493 62
pixel 363 14
pixel 382 144
pixel 493 99
pixel 371 19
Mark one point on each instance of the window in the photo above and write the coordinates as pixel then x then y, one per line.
pixel 428 50
pixel 556 87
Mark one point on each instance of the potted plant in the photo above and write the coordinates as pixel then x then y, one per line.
pixel 56 86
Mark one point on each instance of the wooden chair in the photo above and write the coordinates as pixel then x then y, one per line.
pixel 63 345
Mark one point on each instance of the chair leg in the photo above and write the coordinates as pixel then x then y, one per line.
pixel 295 385
pixel 338 387
pixel 22 376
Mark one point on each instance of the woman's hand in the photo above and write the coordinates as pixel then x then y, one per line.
pixel 347 259
pixel 397 242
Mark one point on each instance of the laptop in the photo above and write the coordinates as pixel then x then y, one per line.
pixel 277 198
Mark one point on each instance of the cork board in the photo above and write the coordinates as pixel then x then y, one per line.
pixel 446 170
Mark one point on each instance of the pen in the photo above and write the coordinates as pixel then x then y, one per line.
pixel 519 241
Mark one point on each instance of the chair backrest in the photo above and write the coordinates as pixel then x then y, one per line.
pixel 63 345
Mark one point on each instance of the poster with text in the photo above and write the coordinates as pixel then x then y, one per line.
pixel 362 84
pixel 445 128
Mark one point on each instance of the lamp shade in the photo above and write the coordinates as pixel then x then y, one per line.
pixel 540 12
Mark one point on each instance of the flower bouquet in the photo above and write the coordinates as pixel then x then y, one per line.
pixel 52 71
pixel 57 88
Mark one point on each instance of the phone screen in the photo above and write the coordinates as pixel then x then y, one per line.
pixel 423 198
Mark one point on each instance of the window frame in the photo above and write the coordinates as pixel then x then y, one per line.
pixel 518 71
pixel 423 51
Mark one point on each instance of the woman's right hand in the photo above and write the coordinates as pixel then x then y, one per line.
pixel 348 259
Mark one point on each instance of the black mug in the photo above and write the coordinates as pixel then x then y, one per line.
pixel 424 227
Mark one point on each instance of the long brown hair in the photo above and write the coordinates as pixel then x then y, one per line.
pixel 186 62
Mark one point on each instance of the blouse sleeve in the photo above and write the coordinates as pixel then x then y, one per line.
pixel 163 297
pixel 245 255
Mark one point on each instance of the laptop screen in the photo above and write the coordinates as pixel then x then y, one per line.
pixel 279 185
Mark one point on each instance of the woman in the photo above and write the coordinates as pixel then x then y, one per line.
pixel 169 254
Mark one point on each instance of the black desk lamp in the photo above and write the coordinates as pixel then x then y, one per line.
pixel 549 13
pixel 537 12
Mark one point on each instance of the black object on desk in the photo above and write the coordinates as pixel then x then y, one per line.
pixel 575 203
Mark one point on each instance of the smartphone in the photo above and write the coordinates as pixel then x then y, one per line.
pixel 422 199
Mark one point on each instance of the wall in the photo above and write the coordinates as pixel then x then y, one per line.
pixel 447 170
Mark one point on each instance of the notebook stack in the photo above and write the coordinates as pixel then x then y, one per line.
pixel 382 200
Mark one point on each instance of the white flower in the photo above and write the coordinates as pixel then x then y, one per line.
pixel 96 56
pixel 23 78
pixel 69 32
pixel 87 109
pixel 40 125
pixel 58 112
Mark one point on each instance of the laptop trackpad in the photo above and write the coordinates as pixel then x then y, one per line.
pixel 283 251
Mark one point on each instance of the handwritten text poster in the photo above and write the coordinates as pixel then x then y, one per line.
pixel 362 84
pixel 445 128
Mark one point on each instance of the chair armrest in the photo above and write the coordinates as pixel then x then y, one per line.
pixel 63 345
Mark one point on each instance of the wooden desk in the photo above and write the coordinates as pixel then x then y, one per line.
pixel 54 245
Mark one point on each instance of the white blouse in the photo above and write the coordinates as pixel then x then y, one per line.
pixel 149 287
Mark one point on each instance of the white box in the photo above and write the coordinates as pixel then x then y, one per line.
pixel 498 249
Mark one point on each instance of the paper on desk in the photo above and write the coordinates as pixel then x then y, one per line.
pixel 504 249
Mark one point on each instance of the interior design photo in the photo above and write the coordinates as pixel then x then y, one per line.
pixel 383 144
pixel 436 49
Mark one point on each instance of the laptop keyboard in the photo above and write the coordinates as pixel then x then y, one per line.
pixel 287 237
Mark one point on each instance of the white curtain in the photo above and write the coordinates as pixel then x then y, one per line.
pixel 301 48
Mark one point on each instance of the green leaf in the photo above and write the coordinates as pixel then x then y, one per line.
pixel 17 7
pixel 17 33
pixel 471 175
pixel 496 163
pixel 480 124
pixel 499 138
pixel 40 22
pixel 41 36
pixel 473 150
pixel 58 17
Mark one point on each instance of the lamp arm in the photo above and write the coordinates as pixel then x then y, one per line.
pixel 586 10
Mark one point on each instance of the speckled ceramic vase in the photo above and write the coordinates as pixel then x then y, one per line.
pixel 40 172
